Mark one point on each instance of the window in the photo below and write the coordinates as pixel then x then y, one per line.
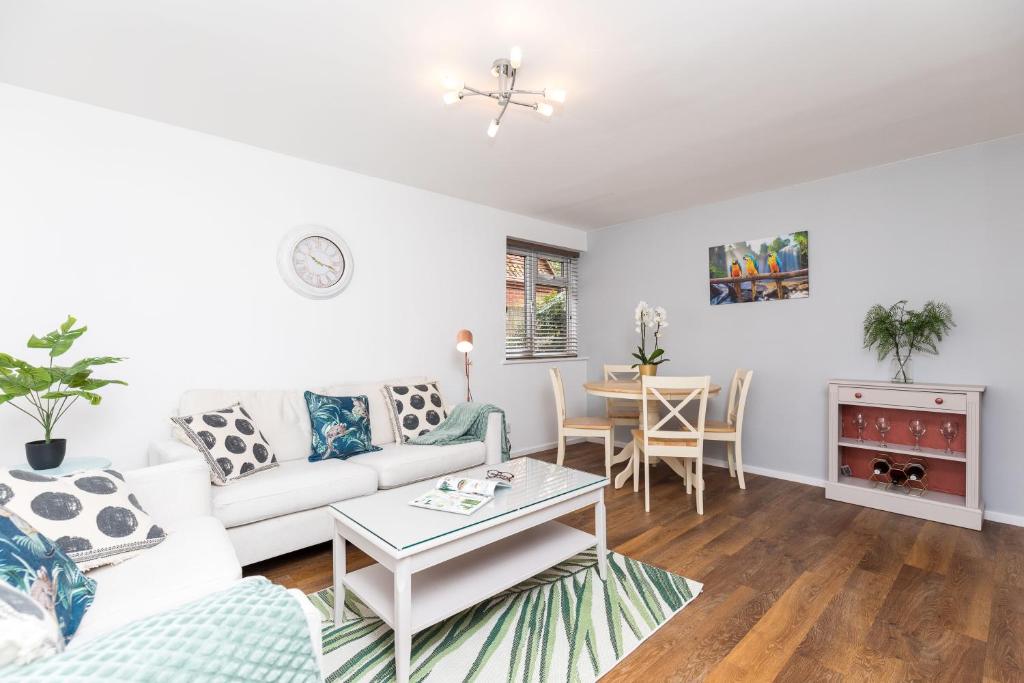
pixel 541 289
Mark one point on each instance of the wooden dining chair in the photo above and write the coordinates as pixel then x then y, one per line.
pixel 589 427
pixel 731 429
pixel 673 435
pixel 623 413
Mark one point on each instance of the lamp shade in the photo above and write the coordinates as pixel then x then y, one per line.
pixel 464 341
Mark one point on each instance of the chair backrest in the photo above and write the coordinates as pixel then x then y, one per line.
pixel 614 373
pixel 672 395
pixel 556 385
pixel 738 397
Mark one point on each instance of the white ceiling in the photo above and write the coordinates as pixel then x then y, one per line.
pixel 671 103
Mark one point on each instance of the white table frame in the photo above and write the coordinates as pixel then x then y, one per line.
pixel 541 543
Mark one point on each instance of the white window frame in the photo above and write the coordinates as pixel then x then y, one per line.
pixel 533 254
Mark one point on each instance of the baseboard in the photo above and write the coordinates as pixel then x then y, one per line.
pixel 990 515
pixel 754 469
pixel 530 450
pixel 768 472
pixel 1004 518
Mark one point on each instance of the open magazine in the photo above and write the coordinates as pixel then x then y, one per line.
pixel 460 495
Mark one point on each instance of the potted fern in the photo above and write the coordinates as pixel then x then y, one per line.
pixel 901 331
pixel 47 392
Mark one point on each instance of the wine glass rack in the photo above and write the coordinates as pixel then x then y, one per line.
pixel 947 488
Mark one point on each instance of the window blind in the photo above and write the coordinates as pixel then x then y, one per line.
pixel 541 300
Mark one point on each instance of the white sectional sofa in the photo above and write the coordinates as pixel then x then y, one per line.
pixel 197 557
pixel 284 509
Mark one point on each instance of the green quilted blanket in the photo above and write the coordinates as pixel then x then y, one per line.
pixel 253 631
pixel 466 422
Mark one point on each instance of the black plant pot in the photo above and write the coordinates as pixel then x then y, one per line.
pixel 45 456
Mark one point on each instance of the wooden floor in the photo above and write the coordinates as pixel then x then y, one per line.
pixel 797 588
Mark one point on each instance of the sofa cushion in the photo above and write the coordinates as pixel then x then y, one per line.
pixel 294 486
pixel 34 565
pixel 341 426
pixel 196 559
pixel 397 465
pixel 91 515
pixel 283 416
pixel 230 441
pixel 416 409
pixel 28 630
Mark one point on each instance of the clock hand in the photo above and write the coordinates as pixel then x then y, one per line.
pixel 325 265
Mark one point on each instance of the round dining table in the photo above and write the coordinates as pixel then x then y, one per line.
pixel 630 390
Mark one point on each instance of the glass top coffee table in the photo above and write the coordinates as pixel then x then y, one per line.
pixel 433 564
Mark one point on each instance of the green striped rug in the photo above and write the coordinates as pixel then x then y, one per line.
pixel 564 624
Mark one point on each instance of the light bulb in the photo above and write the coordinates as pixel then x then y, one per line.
pixel 492 129
pixel 545 109
pixel 554 94
pixel 516 57
pixel 452 83
pixel 451 97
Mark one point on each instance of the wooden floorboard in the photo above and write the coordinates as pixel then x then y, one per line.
pixel 796 587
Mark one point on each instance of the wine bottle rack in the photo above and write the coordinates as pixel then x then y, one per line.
pixel 953 491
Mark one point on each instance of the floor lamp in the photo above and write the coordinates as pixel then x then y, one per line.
pixel 464 344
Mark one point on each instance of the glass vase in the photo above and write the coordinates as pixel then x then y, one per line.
pixel 901 370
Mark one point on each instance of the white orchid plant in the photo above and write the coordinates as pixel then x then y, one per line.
pixel 653 319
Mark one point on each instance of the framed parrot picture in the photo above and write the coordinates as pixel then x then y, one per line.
pixel 760 270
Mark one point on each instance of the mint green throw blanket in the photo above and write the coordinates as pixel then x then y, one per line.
pixel 467 422
pixel 253 631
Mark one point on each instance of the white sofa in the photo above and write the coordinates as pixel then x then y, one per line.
pixel 197 557
pixel 285 509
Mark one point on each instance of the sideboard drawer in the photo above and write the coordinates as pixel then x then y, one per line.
pixel 903 398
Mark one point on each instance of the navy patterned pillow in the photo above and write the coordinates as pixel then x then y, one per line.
pixel 33 564
pixel 341 426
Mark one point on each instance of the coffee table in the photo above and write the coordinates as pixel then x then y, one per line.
pixel 434 564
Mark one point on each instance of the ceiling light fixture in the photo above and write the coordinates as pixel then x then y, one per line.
pixel 506 71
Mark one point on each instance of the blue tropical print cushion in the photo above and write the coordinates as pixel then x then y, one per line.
pixel 341 426
pixel 33 564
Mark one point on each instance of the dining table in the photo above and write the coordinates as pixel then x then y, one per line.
pixel 631 390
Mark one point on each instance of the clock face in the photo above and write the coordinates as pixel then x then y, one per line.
pixel 318 262
pixel 315 261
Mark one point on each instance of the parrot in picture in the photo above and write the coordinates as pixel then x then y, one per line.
pixel 751 267
pixel 773 262
pixel 735 268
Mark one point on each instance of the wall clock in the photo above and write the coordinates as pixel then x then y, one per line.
pixel 315 261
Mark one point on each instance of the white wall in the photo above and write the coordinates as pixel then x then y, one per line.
pixel 945 226
pixel 164 242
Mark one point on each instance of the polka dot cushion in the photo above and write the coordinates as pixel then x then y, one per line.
pixel 415 409
pixel 91 515
pixel 229 439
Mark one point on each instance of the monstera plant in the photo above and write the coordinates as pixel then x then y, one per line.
pixel 47 392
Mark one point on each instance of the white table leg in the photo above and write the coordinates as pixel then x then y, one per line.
pixel 626 456
pixel 599 531
pixel 403 621
pixel 339 577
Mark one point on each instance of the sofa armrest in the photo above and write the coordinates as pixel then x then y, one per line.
pixel 172 450
pixel 173 491
pixel 493 439
pixel 313 622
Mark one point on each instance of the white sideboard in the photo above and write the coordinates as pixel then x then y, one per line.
pixel 959 470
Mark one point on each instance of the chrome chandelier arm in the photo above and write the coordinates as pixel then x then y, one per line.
pixel 528 105
pixel 494 95
pixel 507 98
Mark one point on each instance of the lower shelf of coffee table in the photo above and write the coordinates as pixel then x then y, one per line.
pixel 450 587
